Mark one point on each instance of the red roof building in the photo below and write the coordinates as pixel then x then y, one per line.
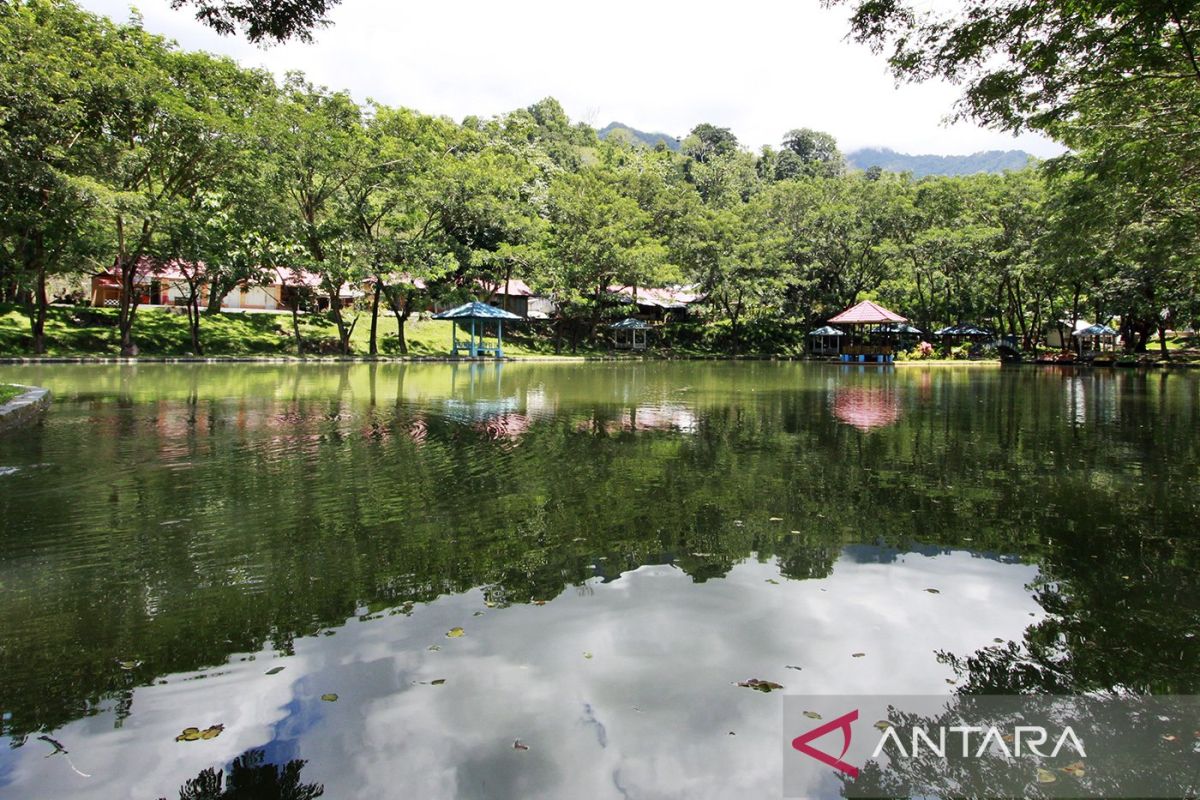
pixel 866 313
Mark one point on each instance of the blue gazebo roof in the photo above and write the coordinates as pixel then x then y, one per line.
pixel 476 310
pixel 827 330
pixel 630 324
pixel 962 330
pixel 897 327
pixel 1096 330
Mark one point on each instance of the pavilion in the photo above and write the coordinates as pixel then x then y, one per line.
pixel 964 331
pixel 825 341
pixel 862 319
pixel 630 334
pixel 1095 337
pixel 477 312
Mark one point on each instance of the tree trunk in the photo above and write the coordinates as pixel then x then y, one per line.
pixel 296 327
pixel 344 331
pixel 40 307
pixel 373 348
pixel 402 312
pixel 193 309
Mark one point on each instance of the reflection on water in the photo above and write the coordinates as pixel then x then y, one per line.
pixel 866 407
pixel 620 543
pixel 251 777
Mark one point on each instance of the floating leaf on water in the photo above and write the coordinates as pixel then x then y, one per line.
pixel 517 745
pixel 128 665
pixel 587 654
pixel 951 681
pixel 212 732
pixel 329 697
pixel 759 685
pixel 188 735
pixel 882 725
pixel 437 681
pixel 792 666
pixel 435 647
pixel 998 640
pixel 731 733
pixel 934 591
pixel 274 670
pixel 477 614
pixel 812 715
pixel 1074 770
pixel 857 655
pixel 455 633
pixel 1045 776
pixel 489 603
pixel 773 581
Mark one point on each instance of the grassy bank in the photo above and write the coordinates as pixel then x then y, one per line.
pixel 9 392
pixel 158 331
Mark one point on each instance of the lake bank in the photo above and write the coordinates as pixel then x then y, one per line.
pixel 21 405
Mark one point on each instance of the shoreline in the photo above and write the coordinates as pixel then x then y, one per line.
pixel 25 408
pixel 552 359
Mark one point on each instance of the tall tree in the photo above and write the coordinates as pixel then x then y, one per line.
pixel 52 107
pixel 320 147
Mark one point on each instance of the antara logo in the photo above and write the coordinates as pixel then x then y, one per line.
pixel 1025 740
pixel 801 743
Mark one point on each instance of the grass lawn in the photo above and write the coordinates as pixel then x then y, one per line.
pixel 9 392
pixel 159 331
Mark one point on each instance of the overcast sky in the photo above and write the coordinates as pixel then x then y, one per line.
pixel 759 67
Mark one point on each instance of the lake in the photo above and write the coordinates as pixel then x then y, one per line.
pixel 546 580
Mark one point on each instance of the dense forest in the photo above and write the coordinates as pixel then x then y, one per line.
pixel 116 147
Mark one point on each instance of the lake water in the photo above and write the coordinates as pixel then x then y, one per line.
pixel 292 553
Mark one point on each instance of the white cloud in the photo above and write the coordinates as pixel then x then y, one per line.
pixel 759 68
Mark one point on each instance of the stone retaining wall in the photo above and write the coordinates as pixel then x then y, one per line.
pixel 24 408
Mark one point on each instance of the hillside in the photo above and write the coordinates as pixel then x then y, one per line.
pixel 650 139
pixel 922 165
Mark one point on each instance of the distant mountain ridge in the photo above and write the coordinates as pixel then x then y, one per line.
pixel 922 165
pixel 648 138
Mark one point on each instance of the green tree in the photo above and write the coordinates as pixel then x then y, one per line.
pixel 319 148
pixel 598 237
pixel 56 62
pixel 808 152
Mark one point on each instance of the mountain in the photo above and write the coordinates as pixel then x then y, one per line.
pixel 920 166
pixel 647 138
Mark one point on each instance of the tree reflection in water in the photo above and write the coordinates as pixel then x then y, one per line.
pixel 251 778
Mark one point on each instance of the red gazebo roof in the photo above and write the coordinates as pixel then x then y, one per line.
pixel 867 313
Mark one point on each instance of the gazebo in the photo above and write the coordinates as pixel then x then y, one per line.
pixel 630 334
pixel 825 341
pixel 480 313
pixel 1098 335
pixel 963 330
pixel 862 318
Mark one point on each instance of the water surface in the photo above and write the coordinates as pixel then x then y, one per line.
pixel 620 544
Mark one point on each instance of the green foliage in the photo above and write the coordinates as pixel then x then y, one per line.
pixel 118 148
